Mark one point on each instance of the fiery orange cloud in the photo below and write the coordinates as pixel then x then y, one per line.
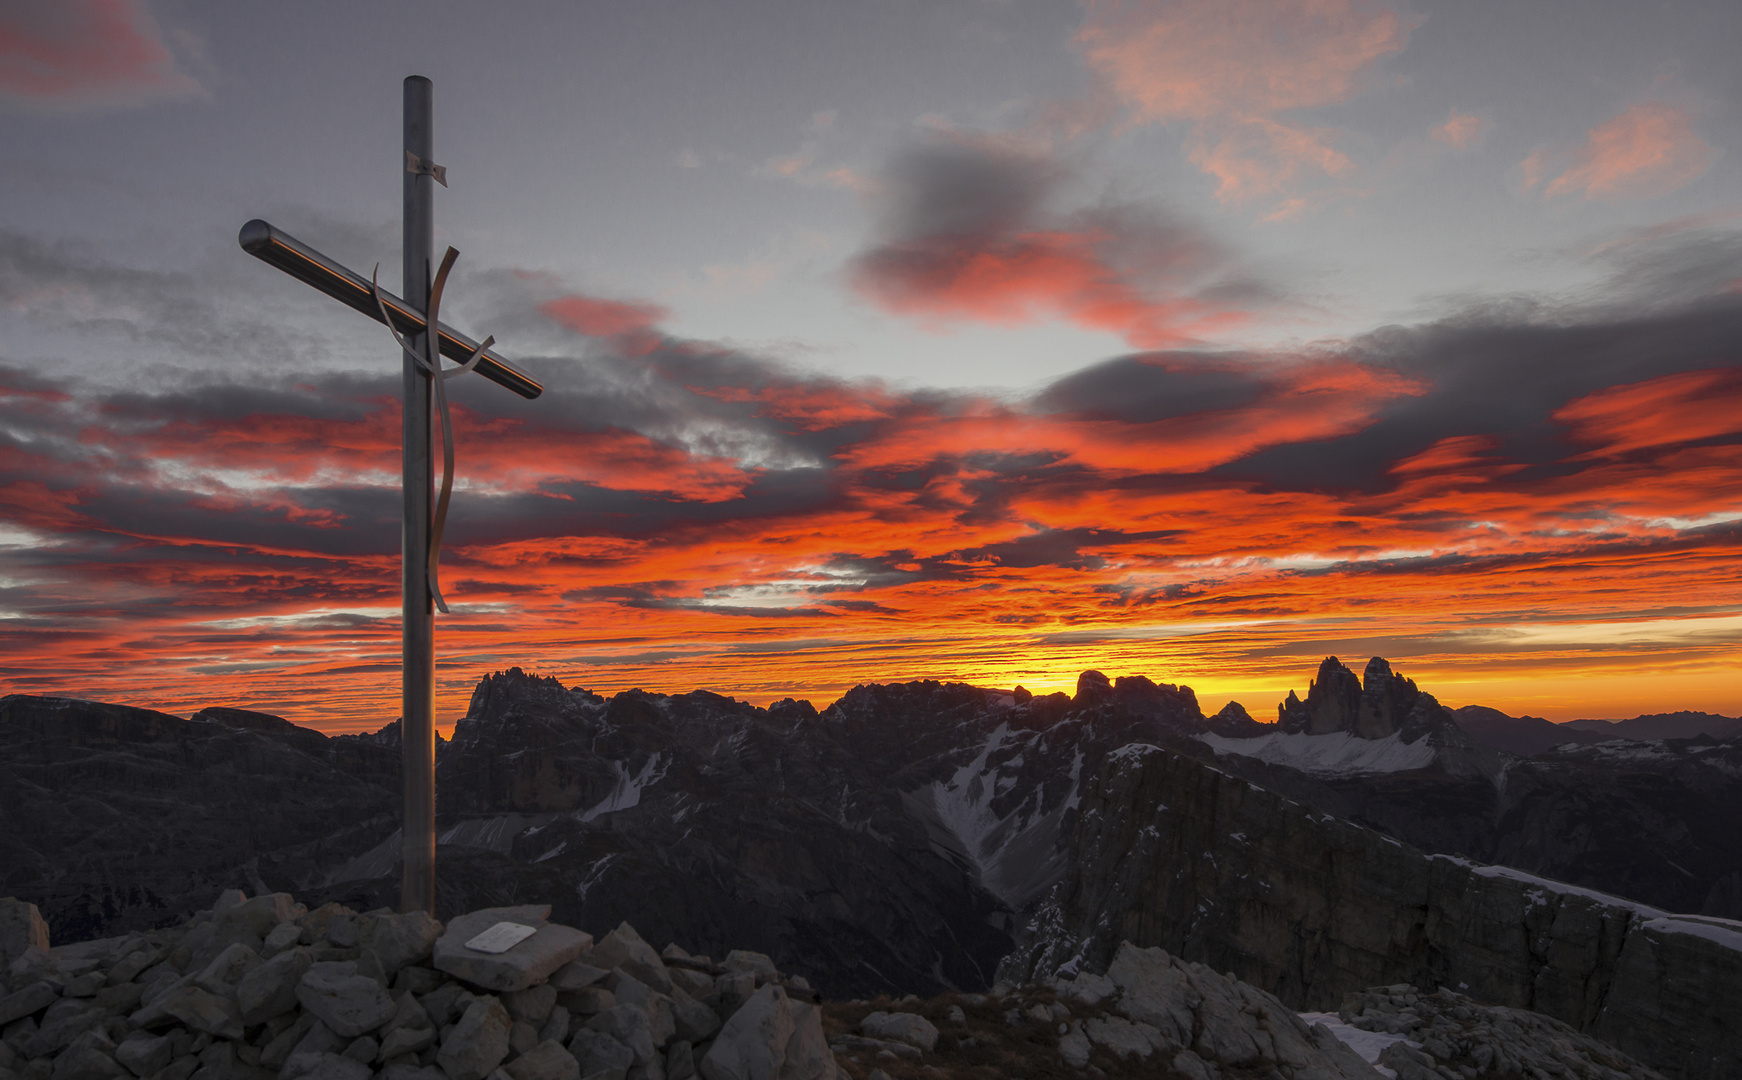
pixel 85 52
pixel 1230 69
pixel 972 235
pixel 1026 277
pixel 1648 150
pixel 729 524
pixel 1686 407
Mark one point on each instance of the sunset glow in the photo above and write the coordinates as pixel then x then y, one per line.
pixel 1525 497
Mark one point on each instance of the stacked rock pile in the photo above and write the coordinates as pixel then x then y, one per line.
pixel 264 989
pixel 1451 1037
pixel 1199 1024
pixel 1151 1015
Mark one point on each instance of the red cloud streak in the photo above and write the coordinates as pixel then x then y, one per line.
pixel 774 535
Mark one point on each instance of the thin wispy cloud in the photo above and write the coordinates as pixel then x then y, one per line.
pixel 1231 72
pixel 1648 150
pixel 82 54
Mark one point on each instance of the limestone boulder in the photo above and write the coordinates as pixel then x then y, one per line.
pixel 546 1061
pixel 143 1053
pixel 910 1028
pixel 752 1043
pixel 346 1001
pixel 477 1044
pixel 401 939
pixel 27 999
pixel 269 990
pixel 531 961
pixel 599 1052
pixel 624 950
pixel 21 926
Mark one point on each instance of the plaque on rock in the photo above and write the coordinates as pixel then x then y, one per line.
pixel 501 937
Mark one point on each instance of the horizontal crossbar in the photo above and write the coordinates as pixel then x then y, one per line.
pixel 280 249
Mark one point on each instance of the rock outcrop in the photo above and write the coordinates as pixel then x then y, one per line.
pixel 263 988
pixel 1185 857
pixel 1378 704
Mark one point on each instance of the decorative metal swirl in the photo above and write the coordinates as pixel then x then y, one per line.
pixel 431 361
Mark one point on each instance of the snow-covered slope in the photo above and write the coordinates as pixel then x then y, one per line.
pixel 1337 754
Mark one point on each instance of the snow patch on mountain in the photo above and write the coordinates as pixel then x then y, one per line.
pixel 1015 854
pixel 1336 754
pixel 627 792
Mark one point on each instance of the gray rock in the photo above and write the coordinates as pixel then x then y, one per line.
pixel 202 1010
pixel 695 983
pixel 522 1037
pixel 317 1039
pixel 807 1052
pixel 910 1028
pixel 269 990
pixel 555 1026
pixel 478 1043
pixel 588 1001
pixel 757 964
pixel 227 969
pixel 408 1013
pixel 752 1043
pixel 400 939
pixel 406 1040
pixel 546 1061
pixel 440 1003
pixel 680 1059
pixel 1091 989
pixel 629 1025
pixel 143 1053
pixel 26 1000
pixel 577 974
pixel 133 963
pixel 531 961
pixel 91 1056
pixel 1154 991
pixel 349 1003
pixel 279 1048
pixel 600 1053
pixel 624 950
pixel 21 926
pixel 412 1072
pixel 733 989
pixel 1074 1045
pixel 693 1021
pixel 1119 1035
pixel 419 980
pixel 532 1004
pixel 1193 1066
pixel 344 930
pixel 325 1066
pixel 283 936
pixel 364 1049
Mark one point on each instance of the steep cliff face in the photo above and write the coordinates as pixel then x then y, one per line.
pixel 114 818
pixel 1176 854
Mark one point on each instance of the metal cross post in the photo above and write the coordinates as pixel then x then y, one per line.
pixel 424 340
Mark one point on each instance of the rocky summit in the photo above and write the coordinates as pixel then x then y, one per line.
pixel 262 988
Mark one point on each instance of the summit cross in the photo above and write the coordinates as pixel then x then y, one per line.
pixel 423 341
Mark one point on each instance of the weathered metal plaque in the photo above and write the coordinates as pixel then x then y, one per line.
pixel 501 937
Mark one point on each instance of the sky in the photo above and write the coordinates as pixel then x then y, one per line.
pixel 981 340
